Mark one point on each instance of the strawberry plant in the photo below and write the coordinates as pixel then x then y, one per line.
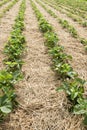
pixel 15 65
pixel 58 54
pixel 73 88
pixel 44 25
pixel 70 28
pixel 52 13
pixel 51 39
pixel 63 23
pixel 84 41
pixel 7 102
pixel 65 70
pixel 12 73
pixel 72 84
pixel 84 24
pixel 73 31
pixel 6 79
pixel 5 105
pixel 81 108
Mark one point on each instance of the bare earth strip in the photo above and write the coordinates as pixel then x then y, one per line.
pixel 5 28
pixel 41 107
pixel 71 45
pixel 4 6
pixel 81 30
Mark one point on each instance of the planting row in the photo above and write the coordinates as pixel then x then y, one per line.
pixel 3 2
pixel 65 25
pixel 71 83
pixel 79 13
pixel 8 8
pixel 74 17
pixel 80 5
pixel 13 62
pixel 73 9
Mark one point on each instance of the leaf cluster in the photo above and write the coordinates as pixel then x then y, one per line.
pixel 70 28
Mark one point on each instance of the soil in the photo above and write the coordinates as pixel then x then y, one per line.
pixel 41 107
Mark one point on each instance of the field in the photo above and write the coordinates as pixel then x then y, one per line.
pixel 43 65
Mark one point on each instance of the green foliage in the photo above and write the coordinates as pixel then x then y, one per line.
pixel 44 25
pixel 65 70
pixel 70 28
pixel 12 73
pixel 73 31
pixel 5 77
pixel 51 39
pixel 74 89
pixel 63 23
pixel 84 24
pixel 14 65
pixel 84 41
pixel 57 53
pixel 52 13
pixel 81 108
pixel 7 102
pixel 5 105
pixel 60 60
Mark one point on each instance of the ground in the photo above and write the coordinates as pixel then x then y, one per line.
pixel 41 107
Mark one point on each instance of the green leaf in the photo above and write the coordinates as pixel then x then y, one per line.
pixel 60 89
pixel 6 109
pixel 85 120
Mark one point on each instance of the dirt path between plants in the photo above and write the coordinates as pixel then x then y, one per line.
pixel 71 45
pixel 6 24
pixel 81 30
pixel 41 107
pixel 4 6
